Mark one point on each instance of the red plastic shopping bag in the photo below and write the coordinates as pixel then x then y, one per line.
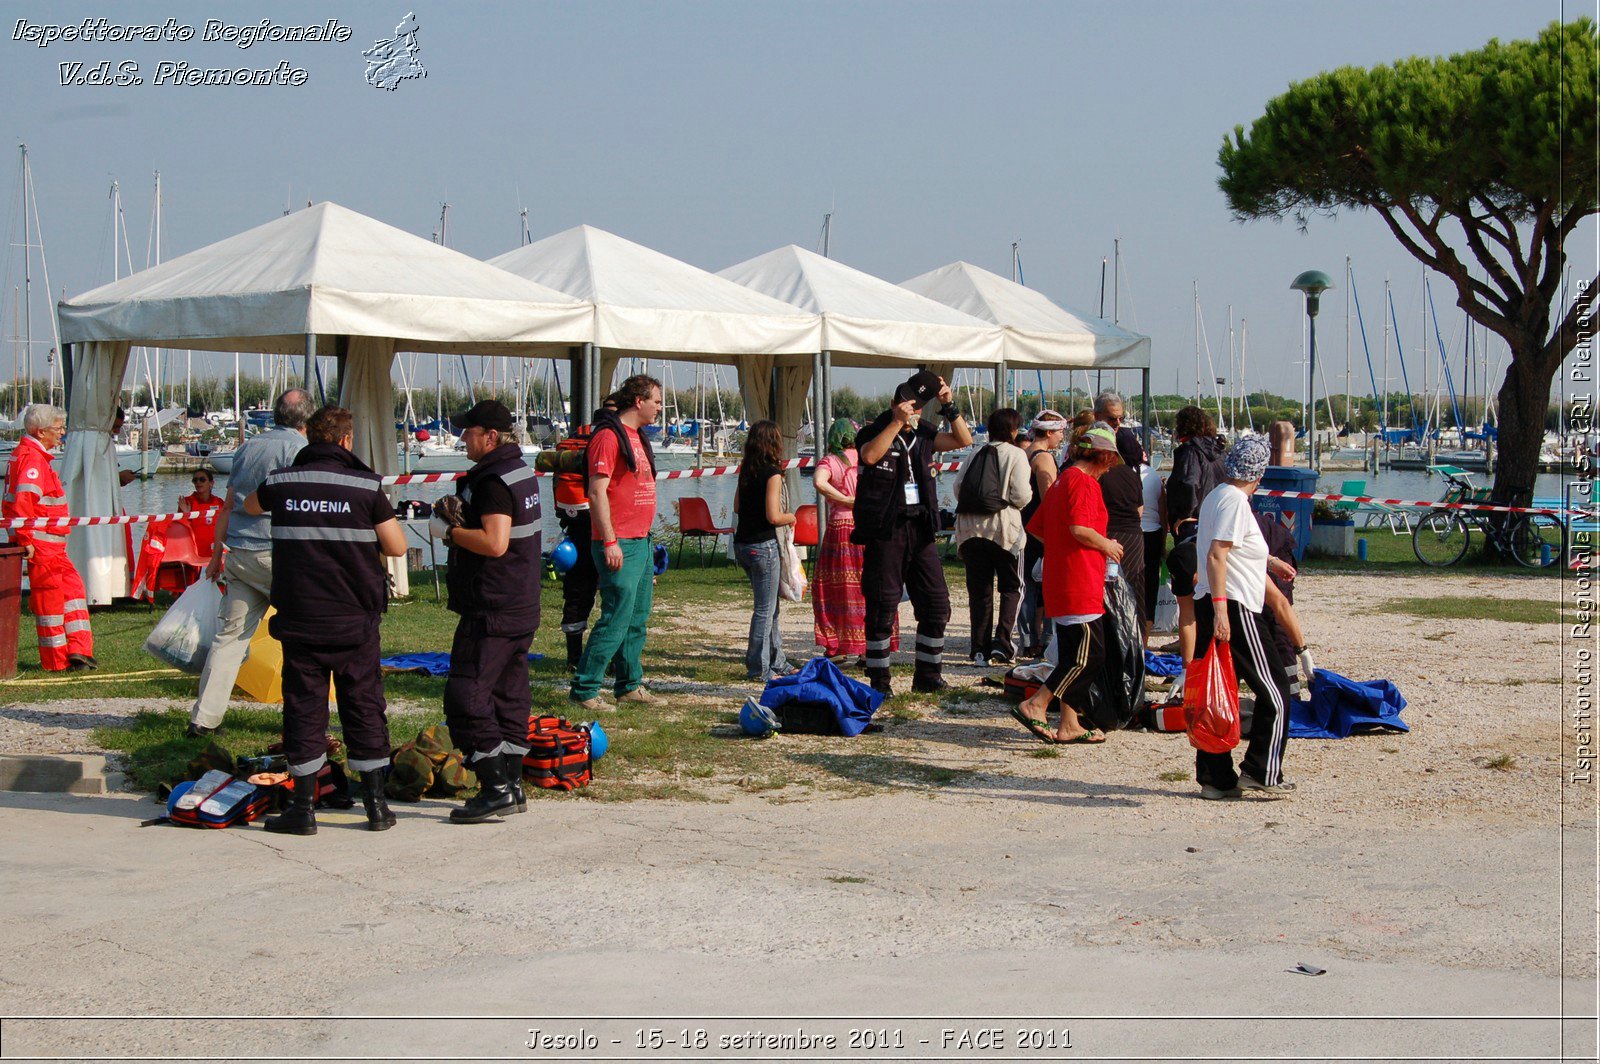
pixel 1211 700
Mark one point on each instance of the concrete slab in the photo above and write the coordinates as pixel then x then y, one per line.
pixel 59 774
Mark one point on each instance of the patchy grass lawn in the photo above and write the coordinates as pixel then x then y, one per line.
pixel 1477 608
pixel 1389 553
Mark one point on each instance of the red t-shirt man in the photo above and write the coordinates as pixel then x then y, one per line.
pixel 1074 575
pixel 632 494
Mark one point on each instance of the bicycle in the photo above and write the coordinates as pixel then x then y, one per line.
pixel 1441 537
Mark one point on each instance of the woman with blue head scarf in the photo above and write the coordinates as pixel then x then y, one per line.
pixel 838 607
pixel 1230 594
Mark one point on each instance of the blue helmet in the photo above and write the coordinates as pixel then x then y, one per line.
pixel 599 742
pixel 757 720
pixel 564 556
pixel 660 557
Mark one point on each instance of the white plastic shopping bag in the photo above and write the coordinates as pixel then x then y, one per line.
pixel 183 637
pixel 791 573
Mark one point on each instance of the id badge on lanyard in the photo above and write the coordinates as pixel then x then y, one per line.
pixel 913 493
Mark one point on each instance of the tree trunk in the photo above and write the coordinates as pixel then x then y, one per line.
pixel 1524 401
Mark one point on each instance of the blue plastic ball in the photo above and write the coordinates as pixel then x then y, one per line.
pixel 599 742
pixel 565 556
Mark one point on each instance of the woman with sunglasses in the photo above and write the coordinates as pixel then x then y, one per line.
pixel 204 529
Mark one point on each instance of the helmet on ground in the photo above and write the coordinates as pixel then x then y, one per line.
pixel 565 556
pixel 660 557
pixel 756 719
pixel 599 742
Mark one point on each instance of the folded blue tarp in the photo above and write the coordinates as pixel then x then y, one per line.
pixel 1340 707
pixel 1162 664
pixel 821 681
pixel 434 663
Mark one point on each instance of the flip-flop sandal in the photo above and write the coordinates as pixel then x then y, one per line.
pixel 1092 737
pixel 1037 727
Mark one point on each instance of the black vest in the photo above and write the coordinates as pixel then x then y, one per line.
pixel 328 580
pixel 880 487
pixel 504 590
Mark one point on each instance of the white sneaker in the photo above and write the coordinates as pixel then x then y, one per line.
pixel 980 661
pixel 1264 792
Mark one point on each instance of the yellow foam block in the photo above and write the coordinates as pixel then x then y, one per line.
pixel 261 675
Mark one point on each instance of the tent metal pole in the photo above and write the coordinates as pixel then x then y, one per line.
pixel 66 380
pixel 311 353
pixel 1144 407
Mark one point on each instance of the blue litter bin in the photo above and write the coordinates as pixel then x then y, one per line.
pixel 1294 514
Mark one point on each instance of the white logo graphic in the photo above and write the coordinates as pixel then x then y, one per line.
pixel 33 474
pixel 392 61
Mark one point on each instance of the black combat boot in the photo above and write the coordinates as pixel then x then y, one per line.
pixel 379 817
pixel 512 764
pixel 300 818
pixel 494 795
pixel 574 649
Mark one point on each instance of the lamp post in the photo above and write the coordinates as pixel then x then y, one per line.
pixel 1313 283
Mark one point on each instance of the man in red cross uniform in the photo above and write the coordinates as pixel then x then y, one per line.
pixel 57 597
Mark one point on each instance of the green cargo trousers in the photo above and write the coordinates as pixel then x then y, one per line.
pixel 625 599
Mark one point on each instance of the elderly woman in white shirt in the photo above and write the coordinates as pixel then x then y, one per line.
pixel 1230 594
pixel 991 542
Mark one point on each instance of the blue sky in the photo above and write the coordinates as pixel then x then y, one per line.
pixel 716 131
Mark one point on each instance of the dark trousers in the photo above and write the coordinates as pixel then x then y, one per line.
pixel 1132 541
pixel 358 683
pixel 1255 660
pixel 989 564
pixel 907 561
pixel 1080 660
pixel 580 583
pixel 1155 549
pixel 486 697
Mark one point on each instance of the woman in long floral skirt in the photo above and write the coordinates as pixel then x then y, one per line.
pixel 837 603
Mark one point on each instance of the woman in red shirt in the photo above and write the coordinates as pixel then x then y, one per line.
pixel 204 528
pixel 1071 523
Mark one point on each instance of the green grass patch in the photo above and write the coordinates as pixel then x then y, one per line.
pixel 1172 775
pixel 1388 553
pixel 1476 608
pixel 846 879
pixel 1501 763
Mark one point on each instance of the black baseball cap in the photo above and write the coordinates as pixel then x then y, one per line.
pixel 922 387
pixel 488 414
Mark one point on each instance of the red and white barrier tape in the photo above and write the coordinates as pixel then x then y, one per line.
pixel 796 463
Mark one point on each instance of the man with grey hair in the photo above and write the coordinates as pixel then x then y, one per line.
pixel 56 594
pixel 242 556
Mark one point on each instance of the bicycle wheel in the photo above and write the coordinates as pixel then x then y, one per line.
pixel 1440 538
pixel 1537 540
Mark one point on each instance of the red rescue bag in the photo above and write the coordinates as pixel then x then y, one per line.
pixel 558 754
pixel 1211 700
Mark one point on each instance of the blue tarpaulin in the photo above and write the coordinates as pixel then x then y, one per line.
pixel 433 662
pixel 1340 707
pixel 1162 664
pixel 821 681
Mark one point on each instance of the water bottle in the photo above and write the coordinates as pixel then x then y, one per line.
pixel 1113 570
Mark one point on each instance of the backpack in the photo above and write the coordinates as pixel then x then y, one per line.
pixel 983 488
pixel 216 800
pixel 558 754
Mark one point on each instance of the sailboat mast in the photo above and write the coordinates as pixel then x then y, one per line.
pixel 1384 424
pixel 1347 342
pixel 27 279
pixel 1196 343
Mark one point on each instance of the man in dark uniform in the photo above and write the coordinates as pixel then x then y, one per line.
pixel 331 527
pixel 492 527
pixel 897 520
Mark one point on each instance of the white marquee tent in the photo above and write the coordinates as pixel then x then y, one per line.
pixel 324 279
pixel 648 304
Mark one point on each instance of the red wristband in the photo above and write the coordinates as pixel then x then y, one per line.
pixel 609 543
pixel 1219 598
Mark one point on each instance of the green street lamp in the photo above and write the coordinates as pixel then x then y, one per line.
pixel 1313 283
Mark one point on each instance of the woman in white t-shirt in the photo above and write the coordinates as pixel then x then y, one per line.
pixel 1232 573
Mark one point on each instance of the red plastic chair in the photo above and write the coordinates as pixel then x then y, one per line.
pixel 694 519
pixel 182 564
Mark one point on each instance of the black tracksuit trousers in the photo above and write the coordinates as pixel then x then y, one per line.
pixel 580 584
pixel 1255 661
pixel 907 561
pixel 486 697
pixel 358 684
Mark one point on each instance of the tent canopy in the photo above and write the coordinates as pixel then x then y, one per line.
pixel 648 304
pixel 1038 332
pixel 330 271
pixel 866 321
